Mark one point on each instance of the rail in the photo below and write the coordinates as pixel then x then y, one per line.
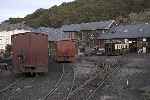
pixel 55 87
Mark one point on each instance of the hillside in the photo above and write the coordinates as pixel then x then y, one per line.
pixel 83 11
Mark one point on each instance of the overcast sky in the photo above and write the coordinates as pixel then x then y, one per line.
pixel 20 8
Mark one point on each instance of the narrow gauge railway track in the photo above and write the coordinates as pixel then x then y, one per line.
pixel 32 89
pixel 18 89
pixel 87 90
pixel 10 85
pixel 5 81
pixel 71 88
pixel 108 76
pixel 63 87
pixel 12 89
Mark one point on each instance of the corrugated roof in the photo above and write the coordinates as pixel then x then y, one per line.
pixel 128 31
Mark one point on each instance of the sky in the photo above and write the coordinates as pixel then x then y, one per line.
pixel 20 8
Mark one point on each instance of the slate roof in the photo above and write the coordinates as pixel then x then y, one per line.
pixel 88 26
pixel 10 27
pixel 60 33
pixel 128 31
pixel 97 25
pixel 71 28
pixel 53 34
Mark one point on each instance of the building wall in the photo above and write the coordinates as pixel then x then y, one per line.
pixel 100 43
pixel 148 45
pixel 5 37
pixel 90 38
pixel 86 38
pixel 116 46
pixel 124 46
pixel 52 48
pixel 69 36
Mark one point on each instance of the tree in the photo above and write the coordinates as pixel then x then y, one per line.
pixel 8 50
pixel 80 11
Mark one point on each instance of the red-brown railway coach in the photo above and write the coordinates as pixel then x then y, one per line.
pixel 30 52
pixel 65 51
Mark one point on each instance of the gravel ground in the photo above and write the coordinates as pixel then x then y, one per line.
pixel 129 83
pixel 134 75
pixel 6 78
pixel 32 88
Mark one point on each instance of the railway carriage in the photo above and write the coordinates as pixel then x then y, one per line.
pixel 30 52
pixel 65 51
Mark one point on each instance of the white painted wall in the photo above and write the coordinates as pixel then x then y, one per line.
pixel 5 37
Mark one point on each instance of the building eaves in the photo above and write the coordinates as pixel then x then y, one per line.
pixel 128 31
pixel 103 25
pixel 71 28
pixel 54 34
